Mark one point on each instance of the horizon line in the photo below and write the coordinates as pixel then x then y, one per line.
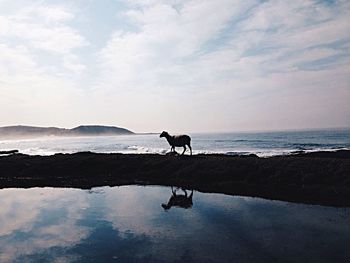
pixel 203 132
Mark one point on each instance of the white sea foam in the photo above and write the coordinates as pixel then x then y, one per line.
pixel 261 144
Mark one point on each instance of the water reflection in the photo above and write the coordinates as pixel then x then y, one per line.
pixel 179 200
pixel 127 224
pixel 36 220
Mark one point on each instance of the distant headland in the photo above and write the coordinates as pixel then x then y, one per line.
pixel 21 131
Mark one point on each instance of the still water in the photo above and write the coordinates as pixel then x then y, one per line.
pixel 139 224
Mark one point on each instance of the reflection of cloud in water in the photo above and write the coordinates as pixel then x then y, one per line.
pixel 36 219
pixel 263 231
pixel 106 244
pixel 222 227
pixel 139 210
pixel 178 232
pixel 129 224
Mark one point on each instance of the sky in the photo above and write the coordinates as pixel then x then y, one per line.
pixel 176 65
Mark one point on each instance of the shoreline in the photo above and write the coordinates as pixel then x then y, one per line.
pixel 321 178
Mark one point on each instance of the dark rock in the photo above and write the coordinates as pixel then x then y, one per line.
pixel 317 178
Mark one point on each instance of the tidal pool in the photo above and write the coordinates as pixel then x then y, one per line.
pixel 139 224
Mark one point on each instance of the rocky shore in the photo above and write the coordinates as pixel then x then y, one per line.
pixel 316 178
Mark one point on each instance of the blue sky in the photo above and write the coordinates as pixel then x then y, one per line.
pixel 178 65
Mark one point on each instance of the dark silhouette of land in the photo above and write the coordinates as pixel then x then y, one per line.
pixel 179 200
pixel 83 130
pixel 317 178
pixel 9 152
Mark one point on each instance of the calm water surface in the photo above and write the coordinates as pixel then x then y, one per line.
pixel 129 224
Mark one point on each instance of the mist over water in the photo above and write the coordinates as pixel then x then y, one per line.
pixel 261 143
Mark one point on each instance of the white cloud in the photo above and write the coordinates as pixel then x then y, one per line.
pixel 199 51
pixel 167 37
pixel 42 28
pixel 184 59
pixel 27 89
pixel 39 70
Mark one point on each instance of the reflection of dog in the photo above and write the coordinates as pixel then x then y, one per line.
pixel 177 200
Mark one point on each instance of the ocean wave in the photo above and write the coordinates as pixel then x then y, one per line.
pixel 237 153
pixel 148 150
pixel 229 144
pixel 143 149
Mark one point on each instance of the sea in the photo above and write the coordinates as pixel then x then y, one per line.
pixel 263 144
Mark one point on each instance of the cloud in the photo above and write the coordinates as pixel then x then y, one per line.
pixel 43 28
pixel 39 68
pixel 29 87
pixel 184 52
pixel 210 65
pixel 166 39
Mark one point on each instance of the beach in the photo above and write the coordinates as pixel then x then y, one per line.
pixel 314 178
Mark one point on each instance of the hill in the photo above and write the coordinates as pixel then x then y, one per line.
pixel 83 130
pixel 99 130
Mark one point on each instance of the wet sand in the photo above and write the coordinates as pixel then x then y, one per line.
pixel 316 178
